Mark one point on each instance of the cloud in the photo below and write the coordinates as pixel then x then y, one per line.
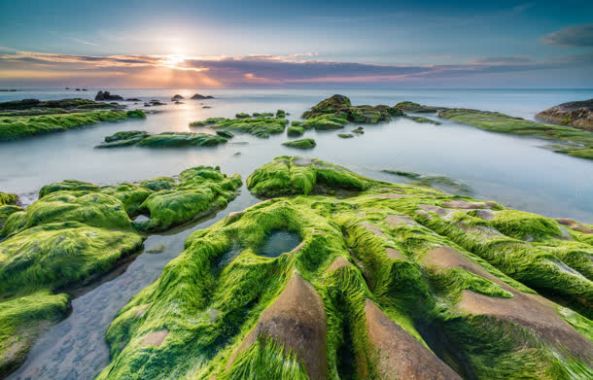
pixel 575 36
pixel 224 71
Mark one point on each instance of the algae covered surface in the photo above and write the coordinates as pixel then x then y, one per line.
pixel 77 231
pixel 258 124
pixel 567 140
pixel 30 117
pixel 161 140
pixel 387 281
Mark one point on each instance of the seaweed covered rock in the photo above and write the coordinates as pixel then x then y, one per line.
pixel 258 124
pixel 8 199
pixel 572 141
pixel 19 126
pixel 412 107
pixel 295 130
pixel 577 114
pixel 294 175
pixel 339 107
pixel 301 144
pixel 162 140
pixel 77 231
pixel 394 281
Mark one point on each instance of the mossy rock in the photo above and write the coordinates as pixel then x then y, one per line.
pixel 77 231
pixel 258 124
pixel 392 279
pixel 301 144
pixel 345 135
pixel 294 131
pixel 15 127
pixel 412 107
pixel 339 107
pixel 8 199
pixel 162 140
pixel 567 140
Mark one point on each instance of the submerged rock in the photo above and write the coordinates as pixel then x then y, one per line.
pixel 161 140
pixel 301 144
pixel 383 285
pixel 177 97
pixel 577 114
pixel 345 135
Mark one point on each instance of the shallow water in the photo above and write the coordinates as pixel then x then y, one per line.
pixel 279 242
pixel 515 171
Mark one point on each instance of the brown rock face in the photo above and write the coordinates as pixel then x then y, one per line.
pixel 398 354
pixel 297 321
pixel 577 114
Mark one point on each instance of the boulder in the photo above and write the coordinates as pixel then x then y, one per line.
pixel 106 96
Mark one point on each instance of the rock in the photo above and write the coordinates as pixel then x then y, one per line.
pixel 106 96
pixel 301 144
pixel 417 108
pixel 577 114
pixel 177 97
pixel 345 135
pixel 200 97
pixel 133 100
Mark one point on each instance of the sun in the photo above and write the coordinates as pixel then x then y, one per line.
pixel 174 60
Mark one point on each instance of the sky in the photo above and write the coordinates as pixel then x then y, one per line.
pixel 261 43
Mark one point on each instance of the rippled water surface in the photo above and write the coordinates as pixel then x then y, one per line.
pixel 515 171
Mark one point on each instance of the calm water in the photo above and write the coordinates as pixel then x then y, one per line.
pixel 514 171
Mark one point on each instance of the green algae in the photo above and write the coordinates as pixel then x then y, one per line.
pixel 77 231
pixel 22 320
pixel 301 143
pixel 340 107
pixel 295 130
pixel 8 199
pixel 15 127
pixel 345 135
pixel 412 107
pixel 162 140
pixel 258 124
pixel 292 175
pixel 388 262
pixel 571 141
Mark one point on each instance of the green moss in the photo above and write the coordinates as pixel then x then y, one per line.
pixel 345 135
pixel 574 142
pixel 14 127
pixel 21 319
pixel 301 144
pixel 77 231
pixel 291 175
pixel 423 120
pixel 161 140
pixel 419 255
pixel 337 110
pixel 259 124
pixel 295 131
pixel 8 199
pixel 408 106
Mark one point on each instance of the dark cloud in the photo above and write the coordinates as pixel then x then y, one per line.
pixel 576 36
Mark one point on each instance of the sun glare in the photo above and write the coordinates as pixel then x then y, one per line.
pixel 174 60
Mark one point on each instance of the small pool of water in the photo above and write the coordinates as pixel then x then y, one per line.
pixel 279 242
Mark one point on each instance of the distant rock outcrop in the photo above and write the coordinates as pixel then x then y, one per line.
pixel 177 97
pixel 200 97
pixel 577 114
pixel 107 96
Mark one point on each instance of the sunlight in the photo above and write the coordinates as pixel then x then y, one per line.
pixel 174 60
